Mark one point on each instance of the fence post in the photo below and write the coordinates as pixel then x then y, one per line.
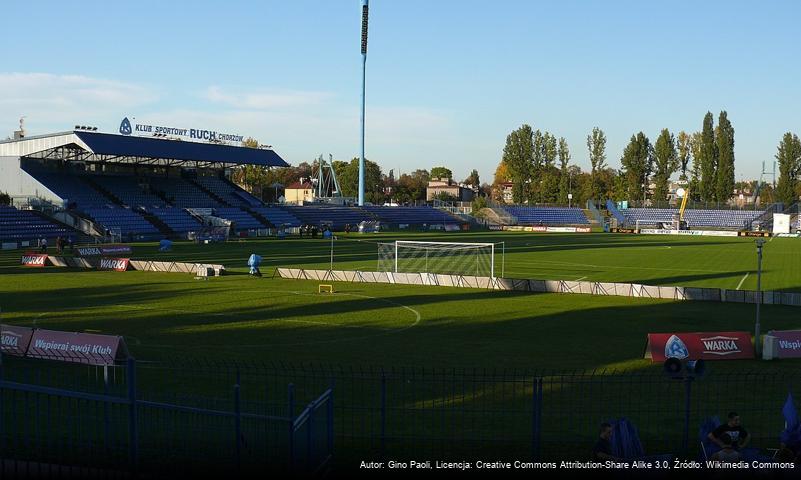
pixel 291 417
pixel 132 420
pixel 383 413
pixel 330 422
pixel 310 437
pixel 686 441
pixel 238 423
pixel 536 417
pixel 106 407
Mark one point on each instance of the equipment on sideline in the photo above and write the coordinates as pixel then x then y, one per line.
pixel 325 288
pixel 253 262
pixel 440 257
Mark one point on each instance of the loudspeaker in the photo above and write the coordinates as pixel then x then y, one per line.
pixel 676 368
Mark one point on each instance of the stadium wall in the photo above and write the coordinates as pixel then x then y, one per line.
pixel 17 182
pixel 546 286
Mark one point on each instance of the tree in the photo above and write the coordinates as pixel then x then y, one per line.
pixel 472 179
pixel 412 187
pixel 724 185
pixel 666 161
pixel 596 144
pixel 348 177
pixel 789 157
pixel 501 177
pixel 637 160
pixel 441 172
pixel 708 159
pixel 5 199
pixel 684 143
pixel 564 177
pixel 695 176
pixel 479 203
pixel 518 155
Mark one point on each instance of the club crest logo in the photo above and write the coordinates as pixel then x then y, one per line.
pixel 675 348
pixel 125 127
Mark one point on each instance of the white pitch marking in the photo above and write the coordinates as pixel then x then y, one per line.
pixel 742 280
pixel 580 279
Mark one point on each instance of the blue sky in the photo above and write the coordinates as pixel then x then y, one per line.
pixel 446 81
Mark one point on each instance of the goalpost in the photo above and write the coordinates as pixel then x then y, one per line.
pixel 479 259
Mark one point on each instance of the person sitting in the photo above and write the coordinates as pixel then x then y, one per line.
pixel 739 436
pixel 727 453
pixel 253 262
pixel 602 450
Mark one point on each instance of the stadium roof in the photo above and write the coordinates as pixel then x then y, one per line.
pixel 106 147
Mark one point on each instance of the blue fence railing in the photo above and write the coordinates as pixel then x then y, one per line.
pixel 112 426
pixel 221 417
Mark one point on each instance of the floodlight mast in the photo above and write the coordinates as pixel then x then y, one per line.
pixel 365 9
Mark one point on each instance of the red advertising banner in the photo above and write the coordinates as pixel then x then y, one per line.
pixel 118 264
pixel 788 343
pixel 34 259
pixel 86 348
pixel 97 251
pixel 14 340
pixel 699 346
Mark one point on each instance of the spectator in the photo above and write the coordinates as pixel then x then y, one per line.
pixel 43 245
pixel 59 245
pixel 727 453
pixel 602 450
pixel 739 436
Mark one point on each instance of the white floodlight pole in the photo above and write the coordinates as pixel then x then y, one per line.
pixel 365 9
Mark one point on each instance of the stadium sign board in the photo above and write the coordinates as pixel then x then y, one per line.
pixel 788 343
pixel 104 250
pixel 705 233
pixel 14 340
pixel 624 230
pixel 699 346
pixel 34 259
pixel 118 264
pixel 544 229
pixel 192 133
pixel 748 233
pixel 89 348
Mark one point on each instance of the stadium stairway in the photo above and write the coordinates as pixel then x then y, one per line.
pixel 162 227
pixel 621 219
pixel 96 186
pixel 208 192
pixel 260 217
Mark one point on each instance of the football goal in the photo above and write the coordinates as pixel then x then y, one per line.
pixel 479 259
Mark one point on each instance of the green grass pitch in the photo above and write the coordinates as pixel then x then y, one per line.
pixel 237 316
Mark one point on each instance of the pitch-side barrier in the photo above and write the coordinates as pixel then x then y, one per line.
pixel 546 286
pixel 145 265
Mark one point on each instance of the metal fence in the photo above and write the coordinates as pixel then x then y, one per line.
pixel 229 417
pixel 58 419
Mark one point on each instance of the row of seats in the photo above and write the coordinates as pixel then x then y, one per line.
pixel 122 220
pixel 548 215
pixel 182 193
pixel 694 218
pixel 337 217
pixel 178 219
pixel 410 215
pixel 25 225
pixel 229 192
pixel 278 216
pixel 128 190
pixel 71 188
pixel 242 219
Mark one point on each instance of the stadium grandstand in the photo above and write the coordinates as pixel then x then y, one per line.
pixel 146 188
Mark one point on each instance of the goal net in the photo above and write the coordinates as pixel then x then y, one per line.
pixel 450 258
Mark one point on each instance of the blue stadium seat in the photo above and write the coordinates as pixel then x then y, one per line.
pixel 548 215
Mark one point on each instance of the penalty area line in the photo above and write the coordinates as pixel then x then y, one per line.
pixel 742 280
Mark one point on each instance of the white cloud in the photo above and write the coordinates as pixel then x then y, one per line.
pixel 56 102
pixel 263 100
pixel 70 91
